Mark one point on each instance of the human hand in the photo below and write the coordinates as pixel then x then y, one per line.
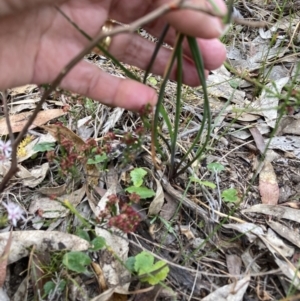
pixel 37 42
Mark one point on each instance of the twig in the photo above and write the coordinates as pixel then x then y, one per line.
pixel 5 109
pixel 247 8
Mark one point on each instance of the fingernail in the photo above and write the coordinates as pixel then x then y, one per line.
pixel 218 25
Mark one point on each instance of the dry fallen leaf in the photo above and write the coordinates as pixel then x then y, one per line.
pixel 56 190
pixel 291 235
pixel 288 144
pixel 230 292
pixel 50 208
pixel 18 121
pixel 249 262
pixel 60 131
pixel 249 229
pixel 258 138
pixel 158 200
pixel 289 271
pixel 186 230
pixel 246 117
pixel 267 103
pixel 30 178
pixel 169 208
pixel 37 175
pixel 23 105
pixel 276 244
pixel 43 240
pixel 289 125
pixel 114 272
pixel 268 186
pixel 276 211
pixel 22 90
pixel 234 264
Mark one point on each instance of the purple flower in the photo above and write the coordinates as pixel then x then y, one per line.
pixel 5 148
pixel 15 212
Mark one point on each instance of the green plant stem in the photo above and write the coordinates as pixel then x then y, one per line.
pixel 206 115
pixel 161 94
pixel 178 109
pixel 155 52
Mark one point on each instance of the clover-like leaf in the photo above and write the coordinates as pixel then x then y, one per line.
pixel 230 195
pixel 215 167
pixel 137 176
pixel 158 273
pixel 143 262
pixel 76 261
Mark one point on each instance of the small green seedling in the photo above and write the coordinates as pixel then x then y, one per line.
pixel 76 261
pixel 137 177
pixel 230 195
pixel 215 167
pixel 50 287
pixel 204 183
pixel 97 159
pixel 97 243
pixel 148 271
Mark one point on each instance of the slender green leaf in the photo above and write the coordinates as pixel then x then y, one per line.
pixel 204 183
pixel 166 118
pixel 206 114
pixel 161 94
pixel 155 52
pixel 178 105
